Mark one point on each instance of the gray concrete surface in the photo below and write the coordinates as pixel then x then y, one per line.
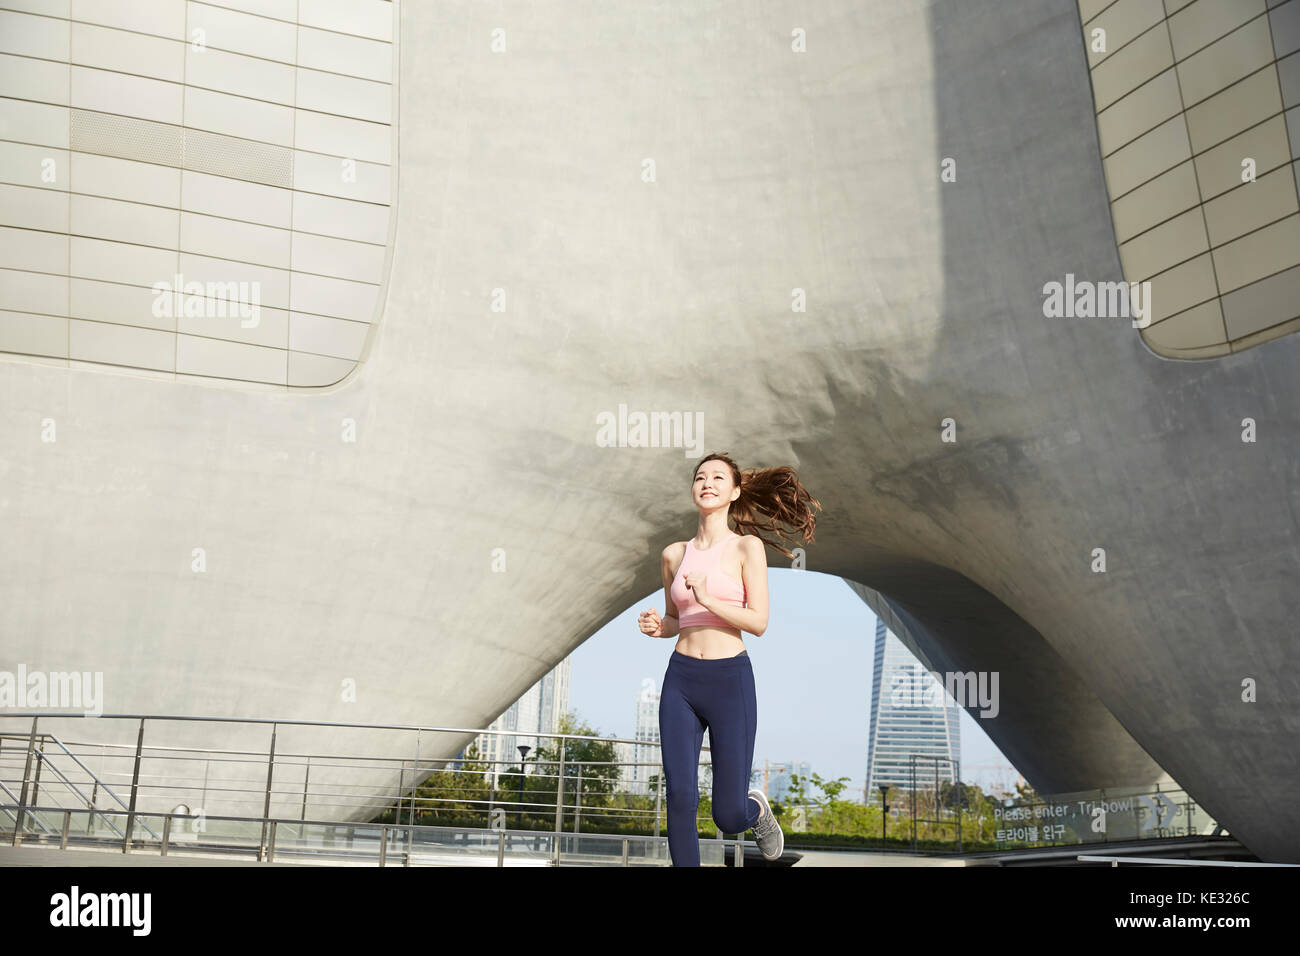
pixel 477 429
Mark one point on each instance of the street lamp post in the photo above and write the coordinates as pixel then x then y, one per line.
pixel 884 809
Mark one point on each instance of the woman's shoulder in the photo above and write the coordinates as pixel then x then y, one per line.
pixel 673 550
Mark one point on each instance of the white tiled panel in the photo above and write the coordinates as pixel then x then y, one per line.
pixel 337 297
pixel 30 79
pixel 351 56
pixel 33 292
pixel 251 202
pixel 342 258
pixel 231 239
pixel 120 262
pixel 109 92
pixel 162 17
pixel 1190 94
pixel 117 302
pixel 367 18
pixel 33 208
pixel 35 123
pixel 33 251
pixel 116 178
pixel 238 116
pixel 30 35
pixel 345 218
pixel 233 141
pixel 237 32
pixel 126 52
pixel 124 221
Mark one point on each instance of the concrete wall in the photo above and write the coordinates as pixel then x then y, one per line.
pixel 477 429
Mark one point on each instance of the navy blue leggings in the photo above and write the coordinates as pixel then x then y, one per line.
pixel 717 694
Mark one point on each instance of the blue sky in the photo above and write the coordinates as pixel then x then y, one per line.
pixel 812 674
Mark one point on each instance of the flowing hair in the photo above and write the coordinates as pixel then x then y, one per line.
pixel 769 498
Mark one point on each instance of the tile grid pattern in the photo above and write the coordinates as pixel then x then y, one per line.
pixel 1186 92
pixel 129 156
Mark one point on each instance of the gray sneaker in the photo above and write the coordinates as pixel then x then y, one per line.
pixel 767 832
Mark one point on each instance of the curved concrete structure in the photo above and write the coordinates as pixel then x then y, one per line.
pixel 617 210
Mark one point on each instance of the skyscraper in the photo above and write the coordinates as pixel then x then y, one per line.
pixel 910 714
pixel 636 779
pixel 533 715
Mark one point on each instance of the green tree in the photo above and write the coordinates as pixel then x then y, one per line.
pixel 829 804
pixel 452 793
pixel 591 759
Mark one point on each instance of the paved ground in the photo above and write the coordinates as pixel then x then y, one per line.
pixel 49 856
pixel 827 858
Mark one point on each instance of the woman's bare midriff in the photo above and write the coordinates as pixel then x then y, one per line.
pixel 709 643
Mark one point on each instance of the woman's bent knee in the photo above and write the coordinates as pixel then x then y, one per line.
pixel 730 821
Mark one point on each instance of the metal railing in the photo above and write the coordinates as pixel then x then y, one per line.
pixel 332 843
pixel 396 776
pixel 160 781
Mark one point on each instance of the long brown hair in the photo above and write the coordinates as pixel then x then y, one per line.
pixel 769 498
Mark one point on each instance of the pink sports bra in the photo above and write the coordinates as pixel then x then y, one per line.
pixel 720 584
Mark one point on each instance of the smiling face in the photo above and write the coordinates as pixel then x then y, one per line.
pixel 714 487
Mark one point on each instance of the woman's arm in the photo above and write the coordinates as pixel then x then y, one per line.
pixel 753 571
pixel 671 626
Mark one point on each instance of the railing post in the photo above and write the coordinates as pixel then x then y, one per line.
pixel 305 778
pixel 625 843
pixel 738 854
pixel 415 783
pixel 659 798
pixel 27 774
pixel 912 780
pixel 67 823
pixel 36 779
pixel 960 795
pixel 270 846
pixel 401 783
pixel 167 833
pixel 135 789
pixel 383 844
pixel 410 816
pixel 559 806
pixel 266 807
pixel 501 848
pixel 577 812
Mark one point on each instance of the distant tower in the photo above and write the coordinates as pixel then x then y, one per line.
pixel 537 712
pixel 637 779
pixel 910 714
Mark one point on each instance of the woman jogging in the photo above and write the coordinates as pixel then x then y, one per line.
pixel 715 586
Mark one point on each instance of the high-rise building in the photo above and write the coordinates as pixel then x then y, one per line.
pixel 910 715
pixel 636 779
pixel 532 716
